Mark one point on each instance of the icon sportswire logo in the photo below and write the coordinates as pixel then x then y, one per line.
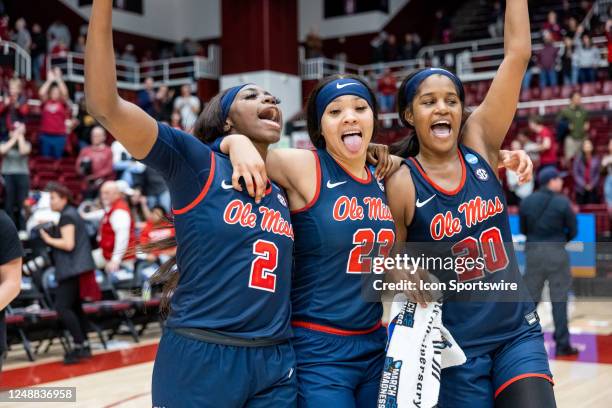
pixel 419 204
pixel 333 185
pixel 340 86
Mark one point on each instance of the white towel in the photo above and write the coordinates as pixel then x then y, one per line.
pixel 419 347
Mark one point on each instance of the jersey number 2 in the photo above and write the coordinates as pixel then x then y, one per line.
pixel 262 268
pixel 359 259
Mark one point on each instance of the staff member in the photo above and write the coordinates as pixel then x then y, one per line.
pixel 73 265
pixel 10 272
pixel 548 221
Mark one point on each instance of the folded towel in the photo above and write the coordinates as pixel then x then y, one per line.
pixel 419 347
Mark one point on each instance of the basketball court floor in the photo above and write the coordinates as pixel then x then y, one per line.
pixel 121 376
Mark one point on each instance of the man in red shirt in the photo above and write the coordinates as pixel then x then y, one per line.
pixel 116 234
pixel 95 162
pixel 53 115
pixel 547 144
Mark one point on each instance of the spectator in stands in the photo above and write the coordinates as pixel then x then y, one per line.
pixel 175 120
pixel 156 229
pixel 58 31
pixel 124 165
pixel 164 103
pixel 496 21
pixel 314 44
pixel 547 145
pixel 547 59
pixel 609 39
pixel 84 123
pixel 155 188
pixel 79 45
pixel 11 253
pixel 606 165
pixel 5 30
pixel 116 235
pixel 532 149
pixel 95 162
pixel 442 27
pixel 564 14
pixel 189 107
pixel 13 107
pixel 391 49
pixel 129 56
pixel 21 35
pixel 573 124
pixel 139 210
pixel 569 63
pixel 387 87
pixel 74 268
pixel 587 55
pixel 572 27
pixel 39 50
pixel 378 44
pixel 518 192
pixel 54 113
pixel 552 26
pixel 526 84
pixel 548 221
pixel 412 44
pixel 16 174
pixel 186 48
pixel 146 97
pixel 586 172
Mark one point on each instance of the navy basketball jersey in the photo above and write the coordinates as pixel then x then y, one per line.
pixel 234 260
pixel 347 224
pixel 471 221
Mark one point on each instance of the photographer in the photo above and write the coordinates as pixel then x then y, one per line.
pixel 74 269
pixel 10 272
pixel 16 174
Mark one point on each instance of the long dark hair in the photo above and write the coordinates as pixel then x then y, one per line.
pixel 312 120
pixel 208 127
pixel 409 145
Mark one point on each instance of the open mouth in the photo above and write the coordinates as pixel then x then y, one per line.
pixel 352 140
pixel 271 115
pixel 441 128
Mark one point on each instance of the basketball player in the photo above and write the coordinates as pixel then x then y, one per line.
pixel 226 338
pixel 341 221
pixel 448 193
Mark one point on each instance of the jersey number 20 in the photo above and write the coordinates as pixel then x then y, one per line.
pixel 262 275
pixel 489 246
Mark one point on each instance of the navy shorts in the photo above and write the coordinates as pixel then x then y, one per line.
pixel 194 373
pixel 476 383
pixel 336 370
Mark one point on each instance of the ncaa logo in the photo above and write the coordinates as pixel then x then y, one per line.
pixel 482 174
pixel 470 158
pixel 281 199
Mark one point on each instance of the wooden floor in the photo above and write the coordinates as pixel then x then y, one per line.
pixel 122 377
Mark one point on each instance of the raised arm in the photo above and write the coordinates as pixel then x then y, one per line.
pixel 486 128
pixel 129 124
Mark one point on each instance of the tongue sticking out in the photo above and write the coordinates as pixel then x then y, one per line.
pixel 352 143
pixel 441 130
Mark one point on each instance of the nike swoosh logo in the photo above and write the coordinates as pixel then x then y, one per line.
pixel 333 185
pixel 340 86
pixel 419 204
pixel 226 186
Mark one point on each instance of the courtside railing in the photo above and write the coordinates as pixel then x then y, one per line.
pixel 131 75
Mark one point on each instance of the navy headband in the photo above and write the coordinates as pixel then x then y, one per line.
pixel 341 87
pixel 228 99
pixel 415 81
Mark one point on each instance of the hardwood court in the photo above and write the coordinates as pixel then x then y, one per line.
pixel 122 377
